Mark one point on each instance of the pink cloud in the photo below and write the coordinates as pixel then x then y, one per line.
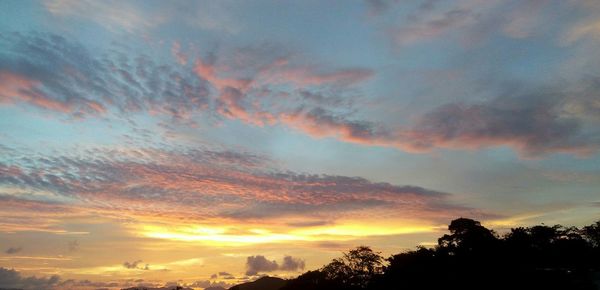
pixel 168 185
pixel 209 72
pixel 18 88
pixel 181 57
pixel 237 97
pixel 319 123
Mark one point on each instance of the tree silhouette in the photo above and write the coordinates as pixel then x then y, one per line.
pixel 592 233
pixel 471 256
pixel 467 235
pixel 356 269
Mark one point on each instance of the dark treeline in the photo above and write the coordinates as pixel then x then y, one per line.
pixel 472 257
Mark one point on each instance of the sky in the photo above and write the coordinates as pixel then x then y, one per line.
pixel 207 143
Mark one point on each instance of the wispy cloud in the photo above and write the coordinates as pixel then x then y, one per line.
pixel 114 15
pixel 139 17
pixel 206 188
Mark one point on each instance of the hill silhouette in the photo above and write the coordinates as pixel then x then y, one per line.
pixel 263 283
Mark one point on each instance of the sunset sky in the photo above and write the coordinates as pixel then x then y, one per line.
pixel 210 142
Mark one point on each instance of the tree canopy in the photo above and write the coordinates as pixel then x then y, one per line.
pixel 471 256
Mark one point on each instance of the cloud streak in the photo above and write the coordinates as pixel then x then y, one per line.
pixel 190 186
pixel 113 15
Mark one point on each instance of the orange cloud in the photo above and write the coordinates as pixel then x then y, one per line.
pixel 199 188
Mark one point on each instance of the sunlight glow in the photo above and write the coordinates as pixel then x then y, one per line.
pixel 225 235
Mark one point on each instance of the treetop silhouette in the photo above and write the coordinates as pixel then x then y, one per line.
pixel 471 256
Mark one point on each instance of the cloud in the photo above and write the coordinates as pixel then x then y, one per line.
pixel 274 69
pixel 209 284
pixel 321 123
pixel 249 82
pixel 50 72
pixel 291 264
pixel 136 265
pixel 16 213
pixel 308 76
pixel 219 16
pixel 541 108
pixel 268 85
pixel 13 250
pixel 256 264
pixel 543 121
pixel 377 6
pixel 132 265
pixel 525 20
pixel 469 22
pixel 332 245
pixel 118 284
pixel 113 15
pixel 10 278
pixel 587 26
pixel 180 56
pixel 132 17
pixel 203 185
pixel 13 279
pixel 14 87
pixel 245 84
pixel 223 275
pixel 86 284
pixel 309 223
pixel 532 123
pixel 432 28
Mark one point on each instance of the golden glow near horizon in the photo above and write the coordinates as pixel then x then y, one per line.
pixel 223 236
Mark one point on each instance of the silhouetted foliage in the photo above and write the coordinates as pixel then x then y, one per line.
pixel 356 269
pixel 466 236
pixel 592 233
pixel 472 257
